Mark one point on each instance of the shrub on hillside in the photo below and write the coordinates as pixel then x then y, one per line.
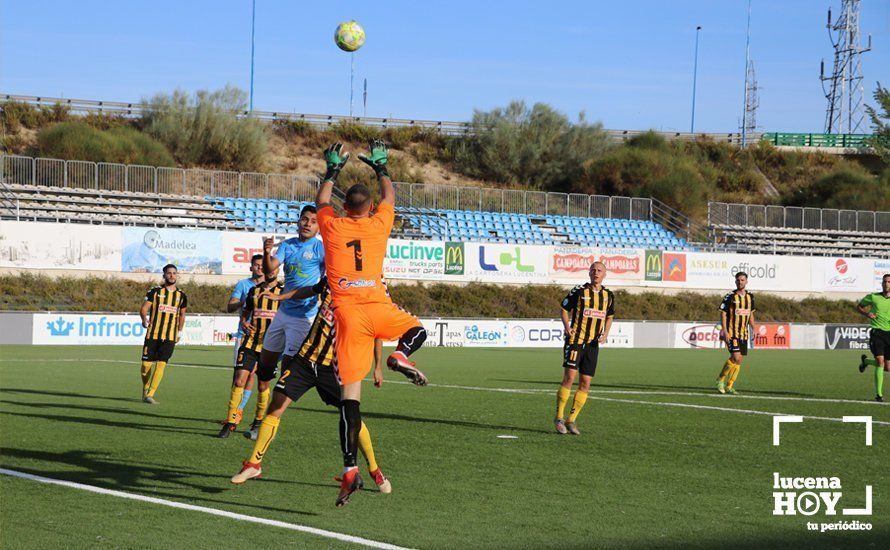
pixel 845 189
pixel 78 141
pixel 16 114
pixel 536 147
pixel 205 129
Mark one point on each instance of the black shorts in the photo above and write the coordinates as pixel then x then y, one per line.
pixel 247 360
pixel 264 374
pixel 879 343
pixel 581 357
pixel 738 345
pixel 157 350
pixel 300 376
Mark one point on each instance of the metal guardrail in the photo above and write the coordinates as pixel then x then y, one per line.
pixel 324 121
pixel 848 141
pixel 102 176
pixel 795 217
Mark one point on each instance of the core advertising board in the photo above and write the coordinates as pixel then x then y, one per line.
pixel 519 333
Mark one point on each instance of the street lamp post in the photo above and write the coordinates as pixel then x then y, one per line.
pixel 694 77
pixel 252 37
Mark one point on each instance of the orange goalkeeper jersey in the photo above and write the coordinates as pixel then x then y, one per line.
pixel 353 254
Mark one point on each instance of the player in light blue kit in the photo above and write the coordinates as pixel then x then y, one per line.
pixel 301 259
pixel 236 304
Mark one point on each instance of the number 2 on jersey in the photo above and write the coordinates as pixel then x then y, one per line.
pixel 357 245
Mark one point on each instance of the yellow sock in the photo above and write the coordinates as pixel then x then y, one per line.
pixel 262 403
pixel 727 367
pixel 234 401
pixel 156 378
pixel 364 443
pixel 146 374
pixel 264 437
pixel 562 397
pixel 577 405
pixel 733 375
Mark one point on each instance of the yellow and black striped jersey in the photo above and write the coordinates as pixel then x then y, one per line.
pixel 164 317
pixel 588 310
pixel 738 309
pixel 261 312
pixel 318 347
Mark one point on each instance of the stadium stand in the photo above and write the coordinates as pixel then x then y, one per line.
pixel 800 231
pixel 60 204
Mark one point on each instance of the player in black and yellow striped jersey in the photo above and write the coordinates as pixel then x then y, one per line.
pixel 312 367
pixel 587 314
pixel 736 315
pixel 256 316
pixel 163 316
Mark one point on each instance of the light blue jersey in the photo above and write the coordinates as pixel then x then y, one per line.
pixel 303 265
pixel 240 292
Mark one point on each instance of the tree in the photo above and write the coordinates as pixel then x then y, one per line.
pixel 880 141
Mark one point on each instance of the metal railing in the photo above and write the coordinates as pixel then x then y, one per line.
pixel 847 141
pixel 102 176
pixel 795 217
pixel 324 121
pixel 539 203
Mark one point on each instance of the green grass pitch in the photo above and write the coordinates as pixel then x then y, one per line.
pixel 648 470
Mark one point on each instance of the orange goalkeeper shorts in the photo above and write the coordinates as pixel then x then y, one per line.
pixel 356 326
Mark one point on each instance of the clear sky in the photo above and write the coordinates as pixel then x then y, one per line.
pixel 627 64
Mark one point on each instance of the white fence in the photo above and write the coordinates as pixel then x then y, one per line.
pixel 795 217
pixel 78 174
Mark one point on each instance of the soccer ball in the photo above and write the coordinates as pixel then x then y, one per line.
pixel 349 36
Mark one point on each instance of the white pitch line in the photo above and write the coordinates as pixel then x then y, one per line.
pixel 212 511
pixel 727 409
pixel 535 391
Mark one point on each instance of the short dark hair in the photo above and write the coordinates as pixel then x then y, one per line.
pixel 256 257
pixel 357 197
pixel 741 274
pixel 308 208
pixel 168 266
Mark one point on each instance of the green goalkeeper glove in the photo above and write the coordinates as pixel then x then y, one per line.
pixel 378 158
pixel 335 159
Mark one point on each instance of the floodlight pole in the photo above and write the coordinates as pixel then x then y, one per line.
pixel 252 38
pixel 745 97
pixel 694 77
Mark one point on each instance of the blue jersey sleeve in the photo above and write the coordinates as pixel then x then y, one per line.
pixel 283 248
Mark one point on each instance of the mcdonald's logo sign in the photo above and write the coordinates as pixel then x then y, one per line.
pixel 454 258
pixel 654 265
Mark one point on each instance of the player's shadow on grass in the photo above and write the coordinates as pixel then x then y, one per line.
pixel 105 423
pixel 447 422
pixel 130 476
pixel 675 387
pixel 142 410
pixel 44 393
